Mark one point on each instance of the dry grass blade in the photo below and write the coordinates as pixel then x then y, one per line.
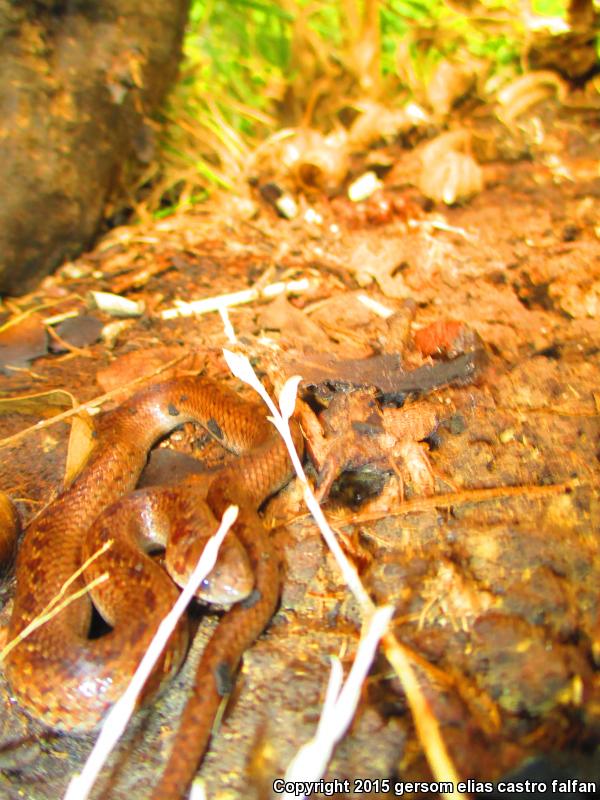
pixel 97 401
pixel 118 717
pixel 19 315
pixel 60 601
pixel 466 496
pixel 310 762
pixel 399 657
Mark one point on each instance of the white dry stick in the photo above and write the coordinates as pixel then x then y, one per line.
pixel 376 307
pixel 227 326
pixel 116 305
pixel 204 306
pixel 118 717
pixel 241 368
pixel 197 792
pixel 441 225
pixel 429 733
pixel 310 762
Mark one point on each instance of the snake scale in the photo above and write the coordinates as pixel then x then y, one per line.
pixel 67 680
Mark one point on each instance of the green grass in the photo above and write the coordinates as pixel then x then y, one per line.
pixel 251 66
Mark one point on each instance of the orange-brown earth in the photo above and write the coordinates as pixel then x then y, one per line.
pixel 474 509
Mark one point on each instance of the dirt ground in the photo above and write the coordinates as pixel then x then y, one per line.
pixel 468 498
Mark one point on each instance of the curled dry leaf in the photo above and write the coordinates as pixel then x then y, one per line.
pixel 311 159
pixel 449 172
pixel 377 122
pixel 81 444
pixel 21 341
pixel 448 84
pixel 323 164
pixel 9 529
pixel 524 92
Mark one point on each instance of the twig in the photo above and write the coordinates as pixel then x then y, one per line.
pixel 96 401
pixel 80 351
pixel 471 496
pixel 19 315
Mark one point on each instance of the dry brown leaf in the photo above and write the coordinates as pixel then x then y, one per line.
pixel 44 404
pixel 377 122
pixel 449 172
pixel 21 341
pixel 448 83
pixel 81 444
pixel 79 331
pixel 378 259
pixel 523 93
pixel 294 324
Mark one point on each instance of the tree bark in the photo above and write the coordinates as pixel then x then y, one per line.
pixel 78 80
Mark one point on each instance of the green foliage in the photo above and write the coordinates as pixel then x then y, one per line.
pixel 238 46
pixel 549 8
pixel 252 65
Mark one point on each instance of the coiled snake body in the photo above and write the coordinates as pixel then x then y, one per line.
pixel 67 680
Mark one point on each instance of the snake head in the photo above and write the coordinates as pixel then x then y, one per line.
pixel 231 579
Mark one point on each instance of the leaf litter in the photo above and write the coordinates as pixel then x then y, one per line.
pixel 483 526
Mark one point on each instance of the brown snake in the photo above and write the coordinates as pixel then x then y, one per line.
pixel 69 681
